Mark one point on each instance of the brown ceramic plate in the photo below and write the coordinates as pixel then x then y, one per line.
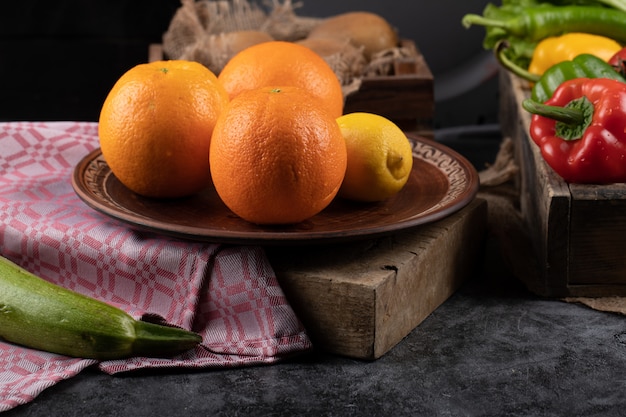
pixel 441 183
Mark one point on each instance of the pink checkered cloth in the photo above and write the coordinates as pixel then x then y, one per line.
pixel 228 294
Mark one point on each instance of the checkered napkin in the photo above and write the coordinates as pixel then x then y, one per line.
pixel 228 294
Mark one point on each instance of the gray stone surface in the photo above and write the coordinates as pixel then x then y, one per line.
pixel 492 349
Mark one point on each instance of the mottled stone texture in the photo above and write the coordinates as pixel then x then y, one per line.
pixel 492 349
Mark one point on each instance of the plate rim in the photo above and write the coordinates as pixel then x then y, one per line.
pixel 468 193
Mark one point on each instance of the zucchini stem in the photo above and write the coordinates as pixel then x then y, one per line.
pixel 157 340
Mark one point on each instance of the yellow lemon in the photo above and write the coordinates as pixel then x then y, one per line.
pixel 380 157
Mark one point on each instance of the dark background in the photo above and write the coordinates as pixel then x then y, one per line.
pixel 60 58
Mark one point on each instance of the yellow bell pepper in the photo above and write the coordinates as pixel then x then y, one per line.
pixel 550 51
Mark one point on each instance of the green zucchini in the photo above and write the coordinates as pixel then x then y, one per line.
pixel 40 315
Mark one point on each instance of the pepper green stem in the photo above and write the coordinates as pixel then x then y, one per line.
pixel 476 19
pixel 500 51
pixel 513 26
pixel 572 120
pixel 558 113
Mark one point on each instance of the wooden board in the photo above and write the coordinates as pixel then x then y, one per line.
pixel 578 232
pixel 361 299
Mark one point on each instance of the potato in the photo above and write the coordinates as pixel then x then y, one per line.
pixel 324 46
pixel 346 60
pixel 234 42
pixel 365 29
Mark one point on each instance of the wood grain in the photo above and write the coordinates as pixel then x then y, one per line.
pixel 361 299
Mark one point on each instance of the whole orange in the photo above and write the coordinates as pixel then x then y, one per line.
pixel 155 127
pixel 286 64
pixel 277 156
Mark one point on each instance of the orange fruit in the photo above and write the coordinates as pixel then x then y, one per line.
pixel 155 127
pixel 277 156
pixel 285 64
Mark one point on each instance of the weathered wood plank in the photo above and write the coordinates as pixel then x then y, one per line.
pixel 360 299
pixel 578 232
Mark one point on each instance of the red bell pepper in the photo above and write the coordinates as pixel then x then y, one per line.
pixel 581 130
pixel 618 61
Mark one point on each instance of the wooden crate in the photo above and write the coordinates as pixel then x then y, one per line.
pixel 406 96
pixel 360 299
pixel 577 232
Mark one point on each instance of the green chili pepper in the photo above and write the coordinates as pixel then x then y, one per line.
pixel 503 13
pixel 616 4
pixel 536 23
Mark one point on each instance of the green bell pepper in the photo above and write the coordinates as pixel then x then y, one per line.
pixel 583 66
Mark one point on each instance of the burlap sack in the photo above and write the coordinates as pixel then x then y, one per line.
pixel 212 31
